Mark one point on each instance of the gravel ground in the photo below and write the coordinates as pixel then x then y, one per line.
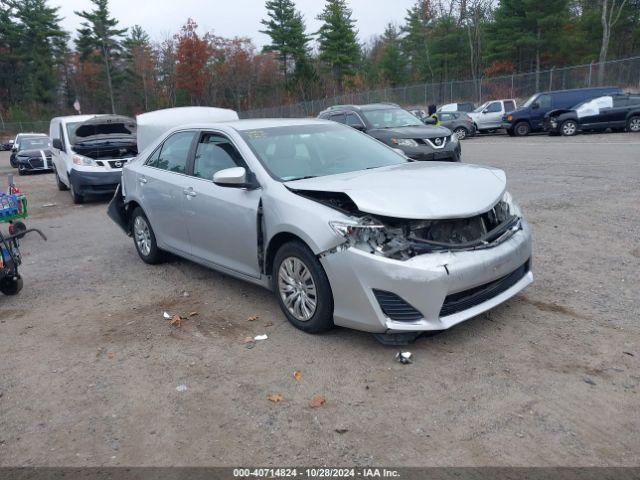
pixel 90 367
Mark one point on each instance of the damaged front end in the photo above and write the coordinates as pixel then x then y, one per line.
pixel 401 239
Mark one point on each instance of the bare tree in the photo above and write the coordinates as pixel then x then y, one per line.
pixel 611 11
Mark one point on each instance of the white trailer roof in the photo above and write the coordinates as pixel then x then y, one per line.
pixel 152 125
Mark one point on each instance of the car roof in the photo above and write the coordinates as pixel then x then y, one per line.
pixel 363 108
pixel 254 124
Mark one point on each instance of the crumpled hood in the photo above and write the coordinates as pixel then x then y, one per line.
pixel 416 190
pixel 103 127
pixel 425 131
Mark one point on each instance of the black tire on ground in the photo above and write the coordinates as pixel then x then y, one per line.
pixel 461 132
pixel 21 172
pixel 140 222
pixel 511 133
pixel 633 124
pixel 322 318
pixel 77 198
pixel 522 129
pixel 9 286
pixel 61 186
pixel 569 128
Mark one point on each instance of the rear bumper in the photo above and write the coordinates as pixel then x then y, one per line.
pixel 444 288
pixel 94 183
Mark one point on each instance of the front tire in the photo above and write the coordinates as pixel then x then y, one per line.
pixel 145 239
pixel 77 198
pixel 11 286
pixel 569 128
pixel 522 129
pixel 302 288
pixel 61 186
pixel 633 125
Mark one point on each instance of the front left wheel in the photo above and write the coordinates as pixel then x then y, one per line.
pixel 633 125
pixel 569 128
pixel 11 286
pixel 303 289
pixel 145 239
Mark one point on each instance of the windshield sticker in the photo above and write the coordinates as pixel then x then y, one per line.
pixel 256 134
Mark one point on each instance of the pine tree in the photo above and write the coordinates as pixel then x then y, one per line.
pixel 524 31
pixel 392 62
pixel 105 37
pixel 138 66
pixel 415 41
pixel 338 42
pixel 286 28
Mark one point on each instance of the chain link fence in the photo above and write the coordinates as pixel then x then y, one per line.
pixel 9 129
pixel 624 73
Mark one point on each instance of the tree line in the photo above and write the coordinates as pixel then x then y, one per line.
pixel 108 68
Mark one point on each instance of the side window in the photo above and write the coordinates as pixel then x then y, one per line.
pixel 354 121
pixel 544 101
pixel 509 106
pixel 494 107
pixel 214 153
pixel 444 117
pixel 338 117
pixel 173 153
pixel 634 100
pixel 620 101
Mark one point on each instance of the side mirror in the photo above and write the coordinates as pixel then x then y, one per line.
pixel 430 121
pixel 57 144
pixel 535 106
pixel 360 127
pixel 485 111
pixel 236 177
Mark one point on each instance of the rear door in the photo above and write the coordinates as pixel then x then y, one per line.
pixel 492 116
pixel 537 114
pixel 163 183
pixel 222 221
pixel 617 115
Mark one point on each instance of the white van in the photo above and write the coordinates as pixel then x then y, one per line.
pixel 89 152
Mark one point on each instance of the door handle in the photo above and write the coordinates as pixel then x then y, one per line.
pixel 189 192
pixel 142 180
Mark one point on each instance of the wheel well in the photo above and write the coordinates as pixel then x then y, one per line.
pixel 274 245
pixel 130 207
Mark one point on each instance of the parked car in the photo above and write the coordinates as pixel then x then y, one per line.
pixel 346 230
pixel 488 116
pixel 16 146
pixel 6 146
pixel 530 117
pixel 458 122
pixel 398 128
pixel 89 152
pixel 618 112
pixel 34 155
pixel 457 107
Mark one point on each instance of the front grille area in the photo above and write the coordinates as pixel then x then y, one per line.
pixel 395 307
pixel 117 163
pixel 36 162
pixel 457 302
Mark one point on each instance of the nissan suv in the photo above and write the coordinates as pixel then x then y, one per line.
pixel 399 129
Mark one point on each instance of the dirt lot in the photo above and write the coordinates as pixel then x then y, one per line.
pixel 90 367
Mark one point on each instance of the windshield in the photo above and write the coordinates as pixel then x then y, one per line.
pixel 481 107
pixel 530 101
pixel 391 118
pixel 306 151
pixel 34 143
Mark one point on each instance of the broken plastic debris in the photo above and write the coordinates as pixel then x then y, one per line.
pixel 176 321
pixel 260 337
pixel 181 388
pixel 317 401
pixel 404 357
pixel 275 397
pixel 297 375
pixel 46 205
pixel 253 318
pixel 193 314
pixel 166 316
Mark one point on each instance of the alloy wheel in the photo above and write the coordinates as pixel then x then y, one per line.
pixel 297 289
pixel 142 235
pixel 461 133
pixel 569 128
pixel 634 124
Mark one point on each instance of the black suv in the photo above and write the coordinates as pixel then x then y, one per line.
pixel 617 112
pixel 397 128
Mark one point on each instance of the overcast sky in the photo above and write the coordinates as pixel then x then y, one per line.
pixel 229 18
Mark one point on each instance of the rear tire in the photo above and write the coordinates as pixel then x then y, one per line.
pixel 17 228
pixel 633 124
pixel 302 288
pixel 145 239
pixel 10 286
pixel 522 129
pixel 569 128
pixel 461 133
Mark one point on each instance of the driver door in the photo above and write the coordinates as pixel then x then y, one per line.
pixel 222 221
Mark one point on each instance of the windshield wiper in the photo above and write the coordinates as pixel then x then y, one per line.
pixel 301 178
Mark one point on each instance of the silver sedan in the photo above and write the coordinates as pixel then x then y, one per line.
pixel 344 229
